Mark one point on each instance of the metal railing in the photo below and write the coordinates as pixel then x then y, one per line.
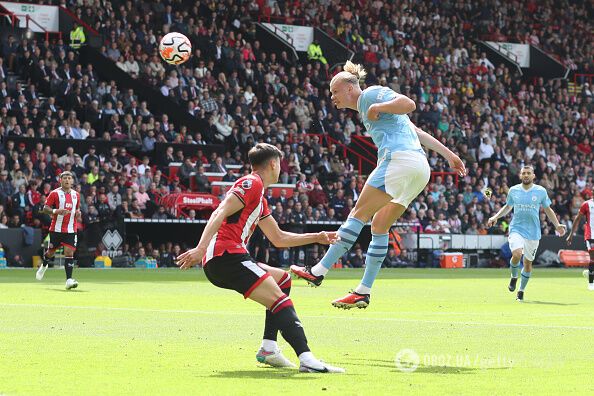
pixel 584 77
pixel 15 19
pixel 282 19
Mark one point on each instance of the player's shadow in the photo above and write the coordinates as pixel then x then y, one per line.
pixel 449 370
pixel 68 291
pixel 549 303
pixel 268 373
pixel 424 369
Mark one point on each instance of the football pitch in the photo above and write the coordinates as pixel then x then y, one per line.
pixel 427 332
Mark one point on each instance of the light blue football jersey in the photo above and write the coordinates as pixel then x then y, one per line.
pixel 526 204
pixel 391 132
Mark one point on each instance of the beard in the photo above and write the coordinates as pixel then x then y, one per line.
pixel 526 182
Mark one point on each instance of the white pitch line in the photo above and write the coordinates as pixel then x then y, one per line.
pixel 201 312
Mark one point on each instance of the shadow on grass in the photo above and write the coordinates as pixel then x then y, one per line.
pixel 68 291
pixel 450 370
pixel 391 364
pixel 269 373
pixel 549 303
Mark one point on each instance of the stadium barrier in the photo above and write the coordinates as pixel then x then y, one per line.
pixel 14 243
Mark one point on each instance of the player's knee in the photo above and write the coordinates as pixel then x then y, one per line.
pixel 361 213
pixel 280 303
pixel 379 228
pixel 517 254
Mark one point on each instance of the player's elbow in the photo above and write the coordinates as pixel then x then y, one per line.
pixel 412 106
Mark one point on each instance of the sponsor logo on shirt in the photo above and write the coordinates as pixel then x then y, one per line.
pixel 246 184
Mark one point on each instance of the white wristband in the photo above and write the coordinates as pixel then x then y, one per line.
pixel 53 211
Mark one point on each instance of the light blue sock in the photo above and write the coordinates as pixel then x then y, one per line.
pixel 378 248
pixel 525 279
pixel 514 269
pixel 348 233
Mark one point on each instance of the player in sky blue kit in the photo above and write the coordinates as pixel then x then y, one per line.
pixel 402 172
pixel 524 231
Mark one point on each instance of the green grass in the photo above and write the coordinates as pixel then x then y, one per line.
pixel 171 332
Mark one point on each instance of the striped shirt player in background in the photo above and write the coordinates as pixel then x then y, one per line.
pixel 227 263
pixel 525 200
pixel 586 212
pixel 63 204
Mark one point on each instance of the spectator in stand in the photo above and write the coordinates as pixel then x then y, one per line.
pixel 185 172
pixel 202 183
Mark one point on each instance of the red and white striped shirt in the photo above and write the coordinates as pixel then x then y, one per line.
pixel 59 199
pixel 587 210
pixel 236 229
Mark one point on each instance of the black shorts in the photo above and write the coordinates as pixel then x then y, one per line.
pixel 58 239
pixel 237 272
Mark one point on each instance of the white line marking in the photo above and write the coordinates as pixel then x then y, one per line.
pixel 201 312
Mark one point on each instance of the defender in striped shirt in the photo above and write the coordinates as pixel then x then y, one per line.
pixel 228 265
pixel 63 204
pixel 586 212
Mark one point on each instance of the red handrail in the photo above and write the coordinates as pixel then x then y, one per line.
pixel 364 139
pixel 14 18
pixel 345 149
pixel 366 145
pixel 588 76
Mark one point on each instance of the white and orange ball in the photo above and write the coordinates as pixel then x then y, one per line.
pixel 175 48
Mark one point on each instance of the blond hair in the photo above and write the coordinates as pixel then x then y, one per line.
pixel 352 73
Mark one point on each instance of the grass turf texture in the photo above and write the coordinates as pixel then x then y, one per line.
pixel 172 332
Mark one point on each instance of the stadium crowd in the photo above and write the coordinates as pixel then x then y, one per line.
pixel 495 119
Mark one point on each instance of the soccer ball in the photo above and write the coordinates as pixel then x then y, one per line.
pixel 175 48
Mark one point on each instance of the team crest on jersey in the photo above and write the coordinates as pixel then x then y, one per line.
pixel 534 198
pixel 246 184
pixel 68 205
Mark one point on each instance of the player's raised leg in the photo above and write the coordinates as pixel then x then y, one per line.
pixel 371 200
pixel 269 352
pixel 284 318
pixel 376 253
pixel 514 265
pixel 47 257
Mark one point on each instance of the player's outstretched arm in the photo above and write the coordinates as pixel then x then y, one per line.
pixel 284 239
pixel 576 223
pixel 230 205
pixel 399 105
pixel 433 144
pixel 502 212
pixel 560 228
